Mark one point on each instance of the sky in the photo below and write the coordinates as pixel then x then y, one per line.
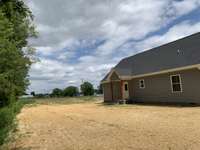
pixel 81 40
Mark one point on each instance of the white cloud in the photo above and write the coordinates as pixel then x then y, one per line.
pixel 44 50
pixel 176 32
pixel 183 7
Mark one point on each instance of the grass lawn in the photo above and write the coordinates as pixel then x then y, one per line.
pixel 85 123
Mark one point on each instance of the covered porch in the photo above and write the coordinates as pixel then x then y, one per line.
pixel 116 90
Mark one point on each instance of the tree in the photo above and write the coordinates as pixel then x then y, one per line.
pixel 5 52
pixel 57 92
pixel 33 93
pixel 15 28
pixel 70 91
pixel 21 17
pixel 87 89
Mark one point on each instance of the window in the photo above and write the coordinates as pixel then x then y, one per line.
pixel 176 83
pixel 126 87
pixel 142 84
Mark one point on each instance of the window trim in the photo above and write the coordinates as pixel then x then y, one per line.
pixel 181 86
pixel 141 84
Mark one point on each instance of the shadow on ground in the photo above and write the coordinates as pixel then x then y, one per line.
pixel 176 105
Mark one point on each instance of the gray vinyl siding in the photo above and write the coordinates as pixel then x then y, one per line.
pixel 158 88
pixel 130 88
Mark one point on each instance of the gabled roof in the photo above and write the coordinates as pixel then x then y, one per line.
pixel 180 53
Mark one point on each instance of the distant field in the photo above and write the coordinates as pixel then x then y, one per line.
pixel 65 100
pixel 87 124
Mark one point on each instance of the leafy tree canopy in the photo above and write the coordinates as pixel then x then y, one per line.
pixel 70 91
pixel 57 92
pixel 87 89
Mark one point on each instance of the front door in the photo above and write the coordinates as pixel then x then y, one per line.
pixel 125 90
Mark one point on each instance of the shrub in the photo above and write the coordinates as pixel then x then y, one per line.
pixel 7 116
pixel 17 107
pixel 6 122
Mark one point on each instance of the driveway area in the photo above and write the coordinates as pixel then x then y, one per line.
pixel 94 126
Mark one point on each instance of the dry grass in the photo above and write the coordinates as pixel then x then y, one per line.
pixel 93 126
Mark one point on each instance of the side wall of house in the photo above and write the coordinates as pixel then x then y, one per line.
pixel 158 88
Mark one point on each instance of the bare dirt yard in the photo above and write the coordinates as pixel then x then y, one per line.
pixel 94 126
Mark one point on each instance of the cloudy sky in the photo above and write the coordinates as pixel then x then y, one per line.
pixel 83 39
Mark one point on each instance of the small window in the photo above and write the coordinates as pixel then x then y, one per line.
pixel 176 83
pixel 142 84
pixel 126 87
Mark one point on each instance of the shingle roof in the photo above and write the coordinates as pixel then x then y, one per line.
pixel 180 53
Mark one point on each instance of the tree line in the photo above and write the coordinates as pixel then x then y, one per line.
pixel 86 89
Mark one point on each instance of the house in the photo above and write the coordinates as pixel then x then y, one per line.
pixel 169 73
